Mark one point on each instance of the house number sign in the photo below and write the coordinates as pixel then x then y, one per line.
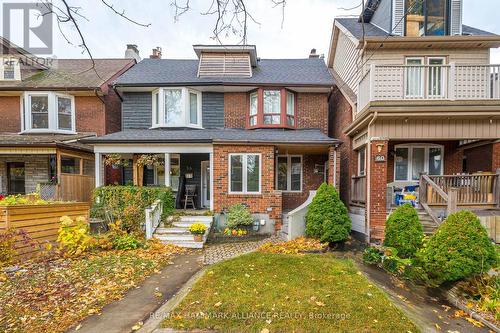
pixel 379 158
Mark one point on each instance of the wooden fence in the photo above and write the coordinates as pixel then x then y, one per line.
pixel 40 222
pixel 358 190
pixel 76 187
pixel 492 226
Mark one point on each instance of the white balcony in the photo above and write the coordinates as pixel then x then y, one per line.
pixel 429 82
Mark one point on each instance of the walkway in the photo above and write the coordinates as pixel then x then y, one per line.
pixel 219 252
pixel 138 304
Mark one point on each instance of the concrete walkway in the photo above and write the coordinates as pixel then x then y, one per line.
pixel 138 304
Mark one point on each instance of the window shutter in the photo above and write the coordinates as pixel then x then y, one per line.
pixel 398 12
pixel 456 17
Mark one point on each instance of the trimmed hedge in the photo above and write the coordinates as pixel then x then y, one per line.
pixel 403 231
pixel 460 248
pixel 327 217
pixel 127 203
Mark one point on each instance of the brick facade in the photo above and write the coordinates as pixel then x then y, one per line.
pixel 377 190
pixel 236 108
pixel 36 170
pixel 495 153
pixel 10 114
pixel 269 201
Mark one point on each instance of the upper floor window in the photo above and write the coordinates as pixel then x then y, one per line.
pixel 272 108
pixel 48 112
pixel 427 18
pixel 176 107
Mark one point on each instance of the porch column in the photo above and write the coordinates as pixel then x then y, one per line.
pixel 167 169
pixel 495 157
pixel 333 167
pixel 211 159
pixel 98 170
pixel 377 189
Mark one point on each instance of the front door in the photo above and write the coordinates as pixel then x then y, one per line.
pixel 205 183
pixel 16 178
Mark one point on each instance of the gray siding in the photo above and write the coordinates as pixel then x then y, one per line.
pixel 383 14
pixel 212 105
pixel 136 110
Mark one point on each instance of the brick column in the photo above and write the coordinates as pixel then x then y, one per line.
pixel 377 189
pixel 495 158
pixel 333 168
pixel 113 176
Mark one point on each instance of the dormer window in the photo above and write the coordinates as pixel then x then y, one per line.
pixel 48 112
pixel 427 18
pixel 176 107
pixel 272 107
pixel 10 69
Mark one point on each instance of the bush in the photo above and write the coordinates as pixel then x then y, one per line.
pixel 19 199
pixel 126 242
pixel 238 215
pixel 7 250
pixel 73 236
pixel 403 231
pixel 460 248
pixel 127 203
pixel 372 255
pixel 327 217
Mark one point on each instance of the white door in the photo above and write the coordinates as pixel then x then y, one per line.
pixel 414 82
pixel 205 183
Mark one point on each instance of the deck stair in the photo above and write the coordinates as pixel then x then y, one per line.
pixel 178 232
pixel 428 223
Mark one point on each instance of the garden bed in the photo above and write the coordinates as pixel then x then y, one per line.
pixel 53 295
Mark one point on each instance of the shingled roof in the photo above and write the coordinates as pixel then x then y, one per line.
pixel 72 74
pixel 300 136
pixel 288 72
pixel 356 29
pixel 44 140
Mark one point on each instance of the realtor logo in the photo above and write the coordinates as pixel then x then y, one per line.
pixel 28 25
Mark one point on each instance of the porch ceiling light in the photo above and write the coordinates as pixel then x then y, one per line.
pixel 379 147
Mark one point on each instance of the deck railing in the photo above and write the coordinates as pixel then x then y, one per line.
pixel 358 190
pixel 153 217
pixel 429 82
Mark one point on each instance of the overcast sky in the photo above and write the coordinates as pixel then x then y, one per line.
pixel 307 24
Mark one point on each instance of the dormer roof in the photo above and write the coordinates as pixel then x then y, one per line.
pixel 251 50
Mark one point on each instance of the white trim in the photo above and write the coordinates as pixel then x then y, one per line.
pixel 167 169
pixel 289 173
pixel 148 148
pixel 97 169
pixel 245 173
pixel 156 123
pixel 204 198
pixel 211 159
pixel 410 159
pixel 52 113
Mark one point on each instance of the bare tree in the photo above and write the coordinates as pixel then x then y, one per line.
pixel 231 18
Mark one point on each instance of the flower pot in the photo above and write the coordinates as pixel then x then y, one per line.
pixel 198 238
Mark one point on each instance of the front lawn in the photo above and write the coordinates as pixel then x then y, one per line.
pixel 53 296
pixel 287 293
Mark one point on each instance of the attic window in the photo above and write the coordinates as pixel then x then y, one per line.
pixel 224 64
pixel 10 69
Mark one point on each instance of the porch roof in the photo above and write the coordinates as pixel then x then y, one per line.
pixel 219 135
pixel 68 141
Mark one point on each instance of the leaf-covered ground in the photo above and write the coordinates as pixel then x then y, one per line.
pixel 52 296
pixel 268 292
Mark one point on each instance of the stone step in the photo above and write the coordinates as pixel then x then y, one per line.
pixel 193 219
pixel 174 230
pixel 175 237
pixel 188 224
pixel 187 244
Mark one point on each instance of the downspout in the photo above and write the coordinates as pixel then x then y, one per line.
pixel 335 166
pixel 368 179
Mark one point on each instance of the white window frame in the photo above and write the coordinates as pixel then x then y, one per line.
pixel 359 162
pixel 184 105
pixel 289 173
pixel 422 78
pixel 17 69
pixel 245 173
pixel 443 82
pixel 53 114
pixel 410 159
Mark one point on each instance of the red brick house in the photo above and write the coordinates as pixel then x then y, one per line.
pixel 234 127
pixel 417 105
pixel 45 107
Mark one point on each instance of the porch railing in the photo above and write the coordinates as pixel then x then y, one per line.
pixel 358 190
pixel 153 217
pixel 296 219
pixel 429 82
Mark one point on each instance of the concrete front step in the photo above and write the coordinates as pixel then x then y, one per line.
pixel 187 244
pixel 179 234
pixel 193 219
pixel 174 231
pixel 188 224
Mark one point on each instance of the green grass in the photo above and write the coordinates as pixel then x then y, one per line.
pixel 287 293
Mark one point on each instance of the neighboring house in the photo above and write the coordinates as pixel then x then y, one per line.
pixel 44 109
pixel 416 103
pixel 239 128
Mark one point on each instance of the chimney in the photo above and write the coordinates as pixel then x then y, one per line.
pixel 156 53
pixel 132 52
pixel 313 54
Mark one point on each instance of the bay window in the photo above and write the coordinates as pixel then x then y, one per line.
pixel 289 173
pixel 244 173
pixel 272 108
pixel 176 107
pixel 412 160
pixel 48 112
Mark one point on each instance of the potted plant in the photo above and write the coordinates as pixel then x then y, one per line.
pixel 115 160
pixel 149 160
pixel 197 229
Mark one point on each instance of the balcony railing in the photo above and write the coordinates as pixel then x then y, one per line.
pixel 429 82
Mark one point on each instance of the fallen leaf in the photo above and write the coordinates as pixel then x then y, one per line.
pixel 218 304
